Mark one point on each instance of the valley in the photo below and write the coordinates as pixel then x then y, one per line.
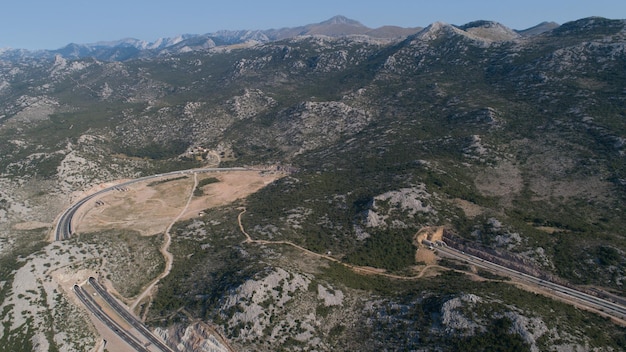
pixel 275 195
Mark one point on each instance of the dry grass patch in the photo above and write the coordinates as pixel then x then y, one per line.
pixel 232 185
pixel 149 207
pixel 470 209
pixel 143 208
pixel 423 253
pixel 32 225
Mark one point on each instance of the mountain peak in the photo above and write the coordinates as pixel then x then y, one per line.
pixel 335 27
pixel 538 29
pixel 490 31
pixel 480 24
pixel 341 20
pixel 483 32
pixel 435 29
pixel 592 23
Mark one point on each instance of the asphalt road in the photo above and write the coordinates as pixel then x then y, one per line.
pixel 64 231
pixel 99 313
pixel 581 298
pixel 64 224
pixel 131 319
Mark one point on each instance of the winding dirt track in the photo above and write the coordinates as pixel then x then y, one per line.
pixel 367 270
pixel 145 295
pixel 355 268
pixel 169 258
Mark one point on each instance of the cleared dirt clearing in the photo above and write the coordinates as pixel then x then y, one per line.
pixel 149 207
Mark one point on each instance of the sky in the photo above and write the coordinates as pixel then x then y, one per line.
pixel 47 24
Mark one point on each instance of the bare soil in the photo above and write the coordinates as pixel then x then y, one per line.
pixel 470 209
pixel 149 209
pixel 32 225
pixel 423 253
pixel 233 185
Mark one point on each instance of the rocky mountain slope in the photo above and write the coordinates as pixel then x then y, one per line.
pixel 512 142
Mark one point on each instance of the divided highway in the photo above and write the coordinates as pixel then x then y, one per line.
pixel 64 231
pixel 114 326
pixel 584 299
pixel 131 319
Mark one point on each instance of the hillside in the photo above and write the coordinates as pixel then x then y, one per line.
pixel 513 142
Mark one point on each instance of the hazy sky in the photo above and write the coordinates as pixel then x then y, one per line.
pixel 49 24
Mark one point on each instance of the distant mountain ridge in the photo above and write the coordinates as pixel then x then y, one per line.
pixel 512 145
pixel 538 29
pixel 337 26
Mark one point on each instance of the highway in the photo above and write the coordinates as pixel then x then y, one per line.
pixel 64 231
pixel 64 224
pixel 584 299
pixel 101 315
pixel 131 319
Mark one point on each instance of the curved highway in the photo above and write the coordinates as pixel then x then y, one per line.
pixel 64 231
pixel 64 224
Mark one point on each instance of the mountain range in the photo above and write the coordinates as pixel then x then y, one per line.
pixel 130 48
pixel 509 145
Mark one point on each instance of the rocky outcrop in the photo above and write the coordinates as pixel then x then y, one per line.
pixel 454 321
pixel 389 209
pixel 250 103
pixel 310 125
pixel 197 337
